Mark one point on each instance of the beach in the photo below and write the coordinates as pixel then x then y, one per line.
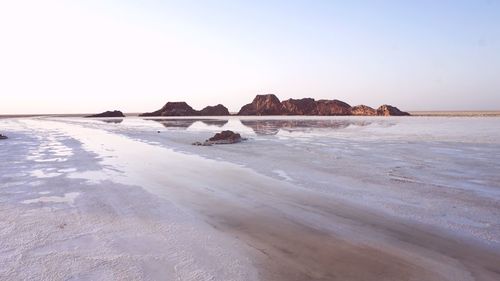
pixel 303 198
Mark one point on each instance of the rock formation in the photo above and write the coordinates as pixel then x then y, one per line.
pixel 183 109
pixel 218 110
pixel 363 110
pixel 173 109
pixel 332 107
pixel 304 106
pixel 387 110
pixel 271 105
pixel 224 137
pixel 2 137
pixel 114 113
pixel 263 105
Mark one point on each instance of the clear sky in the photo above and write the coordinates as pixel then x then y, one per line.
pixel 91 56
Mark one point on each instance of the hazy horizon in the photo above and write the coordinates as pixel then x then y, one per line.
pixel 60 57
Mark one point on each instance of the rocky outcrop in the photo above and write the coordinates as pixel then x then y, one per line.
pixel 388 110
pixel 305 106
pixel 224 137
pixel 184 109
pixel 114 113
pixel 2 137
pixel 263 105
pixel 173 109
pixel 217 110
pixel 271 105
pixel 332 107
pixel 363 110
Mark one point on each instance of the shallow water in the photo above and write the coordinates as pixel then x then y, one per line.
pixel 391 186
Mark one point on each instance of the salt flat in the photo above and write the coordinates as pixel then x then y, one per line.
pixel 314 198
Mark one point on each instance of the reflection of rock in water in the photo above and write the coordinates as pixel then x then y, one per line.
pixel 218 123
pixel 272 127
pixel 116 121
pixel 175 123
pixel 262 127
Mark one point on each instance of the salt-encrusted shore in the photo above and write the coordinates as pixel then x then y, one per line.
pixel 341 199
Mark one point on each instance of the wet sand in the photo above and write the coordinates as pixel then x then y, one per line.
pixel 288 248
pixel 290 232
pixel 295 233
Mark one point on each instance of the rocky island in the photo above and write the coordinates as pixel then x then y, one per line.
pixel 114 113
pixel 270 105
pixel 224 137
pixel 184 109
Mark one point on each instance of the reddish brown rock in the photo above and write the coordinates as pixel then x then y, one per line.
pixel 173 109
pixel 263 105
pixel 115 113
pixel 224 137
pixel 218 110
pixel 363 110
pixel 388 110
pixel 271 105
pixel 305 106
pixel 228 136
pixel 332 107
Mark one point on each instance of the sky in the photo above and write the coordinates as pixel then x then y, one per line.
pixel 134 56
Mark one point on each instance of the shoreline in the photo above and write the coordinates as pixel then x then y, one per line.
pixel 487 113
pixel 424 113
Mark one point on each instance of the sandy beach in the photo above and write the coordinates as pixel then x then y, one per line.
pixel 302 199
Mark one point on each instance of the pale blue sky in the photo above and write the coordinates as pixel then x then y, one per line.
pixel 89 56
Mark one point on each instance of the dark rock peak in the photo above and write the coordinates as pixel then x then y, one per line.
pixel 173 109
pixel 263 105
pixel 184 109
pixel 217 110
pixel 114 113
pixel 305 106
pixel 332 107
pixel 388 110
pixel 363 110
pixel 177 109
pixel 224 137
